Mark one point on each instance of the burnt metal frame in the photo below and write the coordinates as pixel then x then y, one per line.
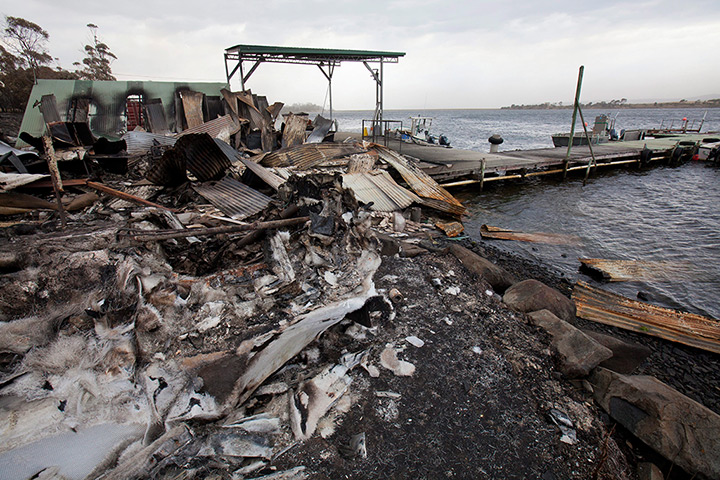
pixel 324 59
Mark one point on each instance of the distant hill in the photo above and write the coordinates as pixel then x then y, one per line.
pixel 302 107
pixel 620 104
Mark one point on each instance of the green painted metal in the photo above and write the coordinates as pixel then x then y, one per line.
pixel 108 100
pixel 576 106
pixel 312 53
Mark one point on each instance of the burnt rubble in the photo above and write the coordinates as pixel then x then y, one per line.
pixel 234 301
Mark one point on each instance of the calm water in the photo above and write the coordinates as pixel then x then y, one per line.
pixel 658 214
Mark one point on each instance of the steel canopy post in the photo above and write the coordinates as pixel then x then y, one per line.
pixel 328 75
pixel 381 92
pixel 242 75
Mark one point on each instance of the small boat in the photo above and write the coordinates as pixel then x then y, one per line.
pixel 673 131
pixel 709 150
pixel 419 133
pixel 602 132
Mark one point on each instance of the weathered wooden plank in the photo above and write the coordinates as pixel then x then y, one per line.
pixel 604 307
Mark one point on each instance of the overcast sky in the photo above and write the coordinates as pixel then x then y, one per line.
pixel 458 54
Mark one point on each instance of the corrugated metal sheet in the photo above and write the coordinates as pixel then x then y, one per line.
pixel 10 181
pixel 168 170
pixel 192 105
pixel 322 127
pixel 379 188
pixel 294 132
pixel 5 148
pixel 205 160
pixel 233 198
pixel 309 155
pixel 139 143
pixel 221 127
pixel 108 100
pixel 361 163
pixel 196 152
pixel 610 309
pixel 265 175
pixel 155 117
pixel 433 194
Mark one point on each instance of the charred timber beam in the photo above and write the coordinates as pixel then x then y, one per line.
pixel 55 176
pixel 146 236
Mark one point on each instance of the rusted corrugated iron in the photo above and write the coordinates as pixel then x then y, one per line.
pixel 629 270
pixel 610 309
pixel 205 160
pixel 169 170
pixel 233 198
pixel 140 143
pixel 361 163
pixel 380 189
pixel 155 116
pixel 192 105
pixel 221 127
pixel 274 110
pixel 249 110
pixel 433 194
pixel 499 233
pixel 294 132
pixel 309 155
pixel 451 229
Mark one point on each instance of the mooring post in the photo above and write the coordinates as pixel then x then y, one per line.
pixel 574 117
pixel 482 174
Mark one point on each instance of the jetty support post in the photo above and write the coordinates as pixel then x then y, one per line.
pixel 574 117
pixel 482 174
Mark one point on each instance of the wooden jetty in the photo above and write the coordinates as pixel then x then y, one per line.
pixel 456 167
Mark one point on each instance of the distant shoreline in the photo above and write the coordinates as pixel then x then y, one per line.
pixel 599 105
pixel 615 104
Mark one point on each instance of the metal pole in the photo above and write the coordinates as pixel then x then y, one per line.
pixel 242 76
pixel 574 117
pixel 592 154
pixel 331 69
pixel 381 92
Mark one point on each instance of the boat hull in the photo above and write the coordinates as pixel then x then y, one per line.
pixel 563 139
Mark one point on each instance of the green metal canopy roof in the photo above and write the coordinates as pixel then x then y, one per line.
pixel 308 55
pixel 326 59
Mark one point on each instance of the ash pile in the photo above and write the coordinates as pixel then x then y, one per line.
pixel 162 299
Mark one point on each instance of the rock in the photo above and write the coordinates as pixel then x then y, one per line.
pixel 680 429
pixel 649 471
pixel 578 353
pixel 627 356
pixel 532 295
pixel 498 278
